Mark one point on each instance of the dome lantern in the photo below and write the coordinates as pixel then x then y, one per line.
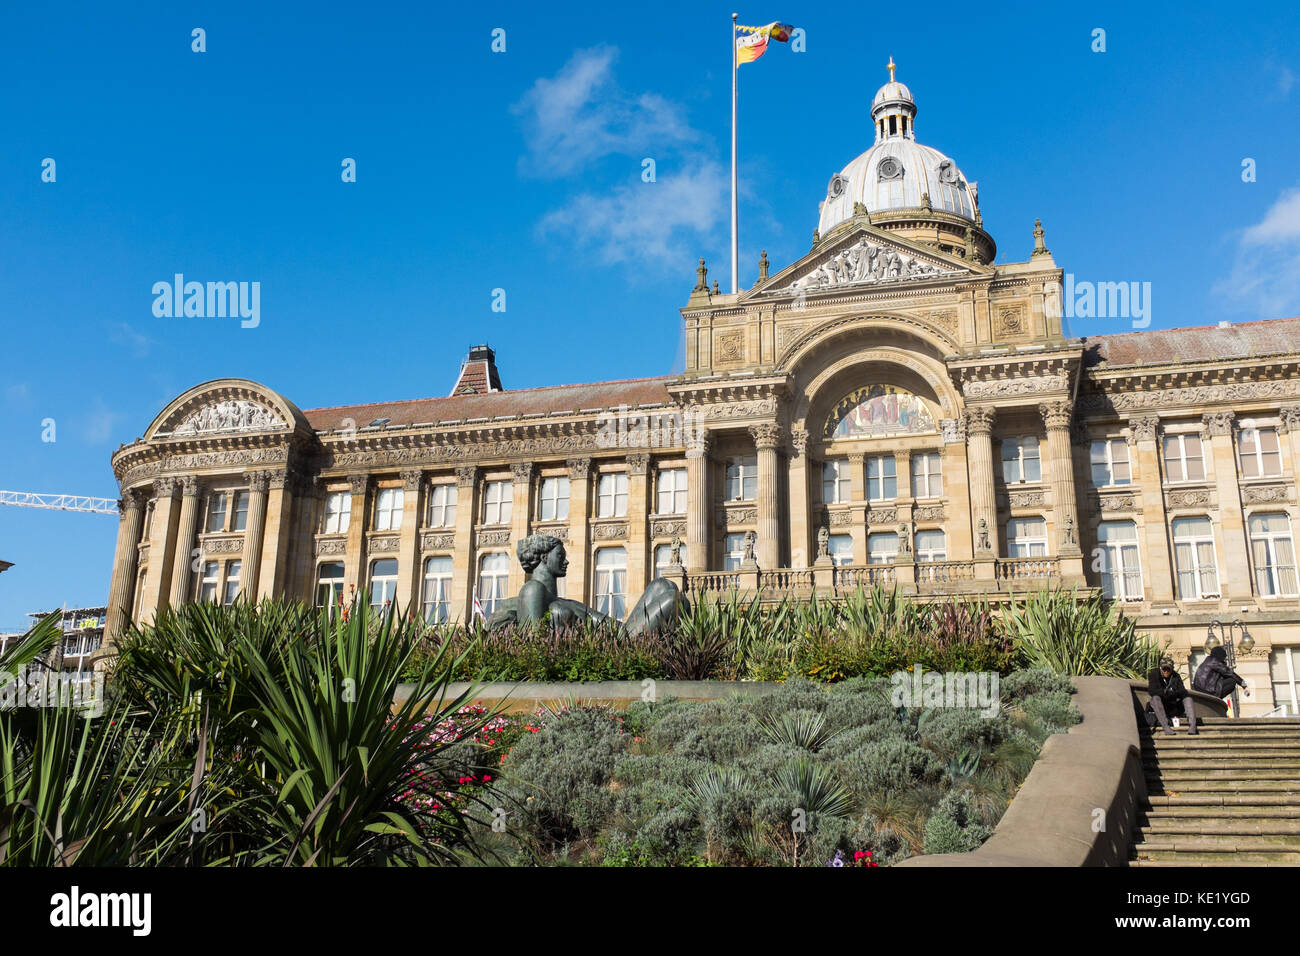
pixel 893 110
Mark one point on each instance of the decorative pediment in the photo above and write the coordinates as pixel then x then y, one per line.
pixel 231 415
pixel 864 258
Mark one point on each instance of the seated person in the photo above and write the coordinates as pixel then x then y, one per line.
pixel 1168 693
pixel 1215 677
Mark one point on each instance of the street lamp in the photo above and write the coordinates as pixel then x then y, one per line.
pixel 1246 643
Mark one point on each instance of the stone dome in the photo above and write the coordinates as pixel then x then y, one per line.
pixel 898 172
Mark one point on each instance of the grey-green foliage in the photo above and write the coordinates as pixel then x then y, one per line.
pixel 954 826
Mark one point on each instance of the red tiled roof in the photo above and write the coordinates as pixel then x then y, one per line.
pixel 523 401
pixel 1241 340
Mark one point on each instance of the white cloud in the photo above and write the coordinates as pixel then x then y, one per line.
pixel 641 223
pixel 18 394
pixel 581 115
pixel 121 333
pixel 1265 277
pixel 100 422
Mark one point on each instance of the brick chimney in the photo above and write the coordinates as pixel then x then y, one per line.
pixel 478 373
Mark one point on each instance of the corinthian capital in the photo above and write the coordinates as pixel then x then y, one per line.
pixel 1145 427
pixel 766 435
pixel 697 445
pixel 465 476
pixel 799 441
pixel 165 487
pixel 638 464
pixel 579 468
pixel 1056 415
pixel 411 480
pixel 979 420
pixel 1290 419
pixel 257 480
pixel 1219 423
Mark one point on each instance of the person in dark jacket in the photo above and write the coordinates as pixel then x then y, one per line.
pixel 1168 693
pixel 1215 677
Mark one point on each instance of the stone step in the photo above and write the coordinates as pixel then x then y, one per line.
pixel 1250 721
pixel 1197 746
pixel 1154 827
pixel 1185 858
pixel 1201 785
pixel 1222 799
pixel 1168 774
pixel 1220 767
pixel 1219 730
pixel 1202 812
pixel 1227 843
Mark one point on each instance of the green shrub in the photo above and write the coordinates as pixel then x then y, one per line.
pixel 1056 630
pixel 954 827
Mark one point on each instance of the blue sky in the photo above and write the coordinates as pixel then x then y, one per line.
pixel 522 170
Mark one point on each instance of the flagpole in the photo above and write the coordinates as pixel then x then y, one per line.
pixel 735 209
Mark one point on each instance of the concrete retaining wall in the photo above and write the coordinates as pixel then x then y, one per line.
pixel 527 697
pixel 1078 805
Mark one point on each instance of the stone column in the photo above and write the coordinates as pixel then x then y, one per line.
pixel 275 576
pixel 983 502
pixel 521 513
pixel 638 532
pixel 354 558
pixel 767 438
pixel 131 508
pixel 254 528
pixel 1057 417
pixel 1157 570
pixel 802 550
pixel 575 587
pixel 409 572
pixel 1235 576
pixel 464 567
pixel 1290 427
pixel 183 569
pixel 162 549
pixel 858 495
pixel 699 503
pixel 956 491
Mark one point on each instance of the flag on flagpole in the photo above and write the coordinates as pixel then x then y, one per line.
pixel 478 608
pixel 751 42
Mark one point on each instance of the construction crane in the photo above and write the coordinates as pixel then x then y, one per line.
pixel 27 499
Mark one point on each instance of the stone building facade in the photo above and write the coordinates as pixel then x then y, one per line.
pixel 895 407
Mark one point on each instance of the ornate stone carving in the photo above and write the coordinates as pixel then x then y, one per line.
pixel 840 519
pixel 232 415
pixel 756 408
pixel 879 516
pixel 1056 414
pixel 664 529
pixel 982 542
pixel 465 476
pixel 1267 494
pixel 388 542
pixel 257 480
pixel 638 464
pixel 609 531
pixel 1145 427
pixel 437 542
pixel 1010 322
pixel 522 472
pixel 979 420
pixel 785 334
pixel 1124 502
pixel 223 545
pixel 486 538
pixel 467 451
pixel 675 551
pixel 1122 396
pixel 698 444
pixel 132 498
pixel 729 347
pixel 928 513
pixel 823 543
pixel 244 456
pixel 799 441
pixel 766 435
pixel 1068 537
pixel 1189 498
pixel 864 263
pixel 945 319
pixel 337 545
pixel 750 540
pixel 1218 423
pixel 1290 419
pixel 730 516
pixel 1010 387
pixel 904 538
pixel 359 483
pixel 189 486
pixel 281 479
pixel 411 479
pixel 166 487
pixel 1026 499
pixel 953 430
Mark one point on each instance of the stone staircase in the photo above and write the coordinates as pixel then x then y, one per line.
pixel 1229 796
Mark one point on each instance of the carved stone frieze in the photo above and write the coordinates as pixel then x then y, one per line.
pixel 384 543
pixel 953 430
pixel 497 537
pixel 865 263
pixel 437 541
pixel 754 408
pixel 1267 494
pixel 667 529
pixel 730 516
pixel 333 545
pixel 928 513
pixel 1189 498
pixel 466 451
pixel 232 415
pixel 879 516
pixel 1012 387
pixel 223 545
pixel 840 519
pixel 1121 397
pixel 609 531
pixel 1026 499
pixel 1124 502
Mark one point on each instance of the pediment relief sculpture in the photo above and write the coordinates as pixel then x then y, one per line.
pixel 864 263
pixel 235 414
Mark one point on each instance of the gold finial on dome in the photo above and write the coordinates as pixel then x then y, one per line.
pixel 891 69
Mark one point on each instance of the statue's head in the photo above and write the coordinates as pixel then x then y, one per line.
pixel 537 549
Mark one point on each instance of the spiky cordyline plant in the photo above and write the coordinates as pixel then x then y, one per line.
pixel 1056 630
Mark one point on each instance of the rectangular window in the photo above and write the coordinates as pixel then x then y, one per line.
pixel 882 478
pixel 1272 553
pixel 611 581
pixel 233 570
pixel 1020 460
pixel 240 517
pixel 1027 538
pixel 1260 455
pixel 742 478
pixel 553 499
pixel 498 498
pixel 840 548
pixel 388 509
pixel 1284 665
pixel 927 480
pixel 733 552
pixel 442 506
pixel 329 585
pixel 835 482
pixel 383 583
pixel 1198 578
pixel 611 496
pixel 209 582
pixel 216 512
pixel 1110 463
pixel 493 578
pixel 437 589
pixel 882 547
pixel 931 546
pixel 672 491
pixel 338 512
pixel 1121 569
pixel 1183 460
pixel 663 558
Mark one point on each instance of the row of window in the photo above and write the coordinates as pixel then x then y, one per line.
pixel 882 478
pixel 1259 455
